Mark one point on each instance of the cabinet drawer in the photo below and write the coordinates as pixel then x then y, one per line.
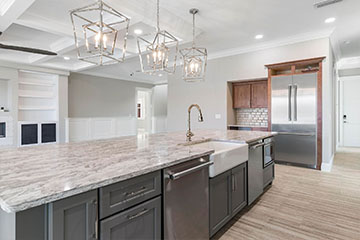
pixel 122 195
pixel 269 174
pixel 140 222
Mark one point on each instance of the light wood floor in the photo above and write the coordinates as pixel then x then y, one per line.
pixel 305 204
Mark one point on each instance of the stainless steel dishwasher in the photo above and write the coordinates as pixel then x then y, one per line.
pixel 186 200
pixel 255 171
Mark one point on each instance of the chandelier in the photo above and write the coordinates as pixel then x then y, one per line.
pixel 194 58
pixel 100 26
pixel 159 54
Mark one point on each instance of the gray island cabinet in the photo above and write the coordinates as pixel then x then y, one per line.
pixel 130 209
pixel 117 186
pixel 228 195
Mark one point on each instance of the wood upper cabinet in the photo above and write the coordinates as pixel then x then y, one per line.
pixel 250 94
pixel 259 95
pixel 242 96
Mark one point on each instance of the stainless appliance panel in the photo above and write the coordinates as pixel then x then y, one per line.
pixel 296 144
pixel 186 200
pixel 304 98
pixel 255 171
pixel 280 99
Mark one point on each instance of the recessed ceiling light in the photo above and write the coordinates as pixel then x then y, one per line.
pixel 66 58
pixel 259 36
pixel 138 31
pixel 330 20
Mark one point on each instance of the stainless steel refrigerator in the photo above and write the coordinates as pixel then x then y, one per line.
pixel 293 115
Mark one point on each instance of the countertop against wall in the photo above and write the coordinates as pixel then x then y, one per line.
pixel 32 176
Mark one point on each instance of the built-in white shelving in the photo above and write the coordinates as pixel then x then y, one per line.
pixel 37 84
pixel 37 97
pixel 37 108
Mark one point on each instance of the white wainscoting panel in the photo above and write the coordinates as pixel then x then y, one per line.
pixel 82 129
pixel 159 124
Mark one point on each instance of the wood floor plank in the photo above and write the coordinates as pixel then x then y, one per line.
pixel 304 204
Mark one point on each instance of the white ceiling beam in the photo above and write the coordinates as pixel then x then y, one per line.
pixel 44 24
pixel 61 47
pixel 14 12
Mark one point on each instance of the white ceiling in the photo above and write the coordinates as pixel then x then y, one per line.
pixel 221 26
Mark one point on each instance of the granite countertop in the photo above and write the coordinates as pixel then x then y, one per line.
pixel 32 176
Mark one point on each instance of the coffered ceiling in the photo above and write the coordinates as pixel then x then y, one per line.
pixel 221 26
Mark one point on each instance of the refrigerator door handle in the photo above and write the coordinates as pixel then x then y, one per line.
pixel 295 102
pixel 289 102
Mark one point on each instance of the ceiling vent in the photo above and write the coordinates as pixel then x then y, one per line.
pixel 324 3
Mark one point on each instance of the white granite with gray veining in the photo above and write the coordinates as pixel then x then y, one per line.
pixel 32 176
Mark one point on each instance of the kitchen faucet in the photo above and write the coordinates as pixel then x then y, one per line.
pixel 189 134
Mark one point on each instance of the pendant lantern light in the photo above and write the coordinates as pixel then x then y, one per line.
pixel 100 26
pixel 159 54
pixel 194 58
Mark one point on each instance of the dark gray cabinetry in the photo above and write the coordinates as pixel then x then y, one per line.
pixel 220 201
pixel 122 195
pixel 140 222
pixel 74 218
pixel 228 195
pixel 239 188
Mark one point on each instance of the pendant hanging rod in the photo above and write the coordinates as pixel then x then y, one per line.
pixel 193 11
pixel 158 15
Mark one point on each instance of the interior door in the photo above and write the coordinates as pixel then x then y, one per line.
pixel 280 99
pixel 304 98
pixel 351 113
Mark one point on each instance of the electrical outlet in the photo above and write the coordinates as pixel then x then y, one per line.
pixel 217 116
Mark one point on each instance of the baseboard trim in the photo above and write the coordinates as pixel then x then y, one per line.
pixel 326 167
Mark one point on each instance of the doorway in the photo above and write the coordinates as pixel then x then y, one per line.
pixel 143 111
pixel 350 114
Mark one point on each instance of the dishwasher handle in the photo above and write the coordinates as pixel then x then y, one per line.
pixel 174 176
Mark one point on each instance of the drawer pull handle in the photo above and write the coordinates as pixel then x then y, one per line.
pixel 131 194
pixel 138 214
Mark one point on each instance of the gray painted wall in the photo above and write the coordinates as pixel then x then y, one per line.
pixel 91 96
pixel 213 95
pixel 160 100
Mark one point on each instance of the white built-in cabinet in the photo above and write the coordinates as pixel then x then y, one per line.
pixel 38 113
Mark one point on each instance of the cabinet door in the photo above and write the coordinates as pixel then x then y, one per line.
pixel 74 218
pixel 259 95
pixel 140 222
pixel 241 96
pixel 239 188
pixel 220 201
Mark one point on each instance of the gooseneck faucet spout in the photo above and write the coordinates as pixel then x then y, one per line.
pixel 189 134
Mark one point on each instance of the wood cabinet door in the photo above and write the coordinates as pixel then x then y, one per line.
pixel 220 201
pixel 239 188
pixel 242 96
pixel 74 218
pixel 259 95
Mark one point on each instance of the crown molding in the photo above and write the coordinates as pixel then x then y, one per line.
pixel 16 65
pixel 348 63
pixel 272 44
pixel 120 77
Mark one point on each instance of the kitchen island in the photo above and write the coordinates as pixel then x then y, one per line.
pixel 35 177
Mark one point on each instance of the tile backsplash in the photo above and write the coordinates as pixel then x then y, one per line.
pixel 252 117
